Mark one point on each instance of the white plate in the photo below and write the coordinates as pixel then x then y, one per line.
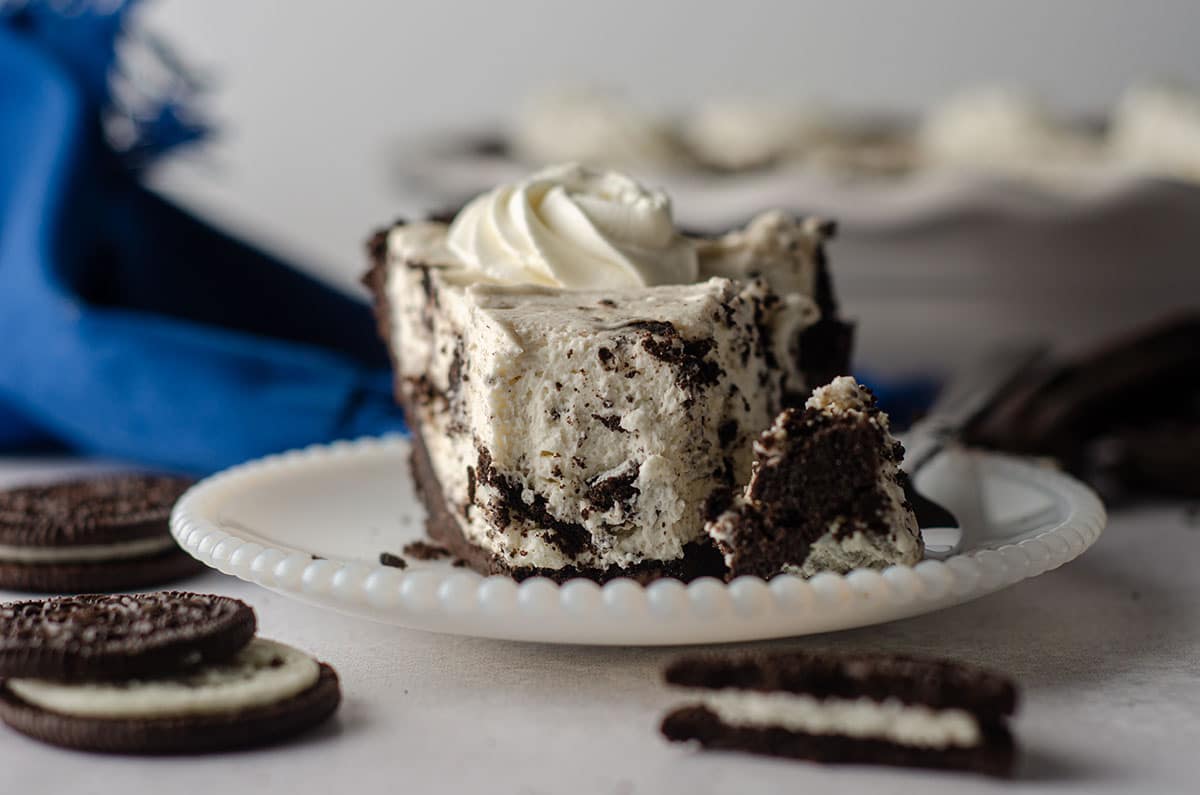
pixel 311 524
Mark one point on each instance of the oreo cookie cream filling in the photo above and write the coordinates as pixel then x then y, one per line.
pixel 263 672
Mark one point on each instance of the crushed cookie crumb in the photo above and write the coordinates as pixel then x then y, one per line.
pixel 423 550
pixel 394 561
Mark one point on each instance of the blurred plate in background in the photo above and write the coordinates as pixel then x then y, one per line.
pixel 934 265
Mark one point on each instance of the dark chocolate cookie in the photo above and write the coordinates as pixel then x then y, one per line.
pixel 1125 416
pixel 930 682
pixel 84 536
pixel 848 709
pixel 99 511
pixel 119 636
pixel 993 756
pixel 101 577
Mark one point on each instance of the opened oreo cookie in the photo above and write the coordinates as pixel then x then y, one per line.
pixel 83 536
pixel 850 709
pixel 154 674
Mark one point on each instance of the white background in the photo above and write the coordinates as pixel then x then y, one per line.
pixel 312 97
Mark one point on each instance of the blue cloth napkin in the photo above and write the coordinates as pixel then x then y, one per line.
pixel 128 328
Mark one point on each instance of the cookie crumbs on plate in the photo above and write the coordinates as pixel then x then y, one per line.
pixel 395 561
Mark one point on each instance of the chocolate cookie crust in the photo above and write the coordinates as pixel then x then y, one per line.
pixel 120 637
pixel 825 346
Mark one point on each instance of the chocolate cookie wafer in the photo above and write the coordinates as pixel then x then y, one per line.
pixel 858 709
pixel 1125 417
pixel 83 536
pixel 120 636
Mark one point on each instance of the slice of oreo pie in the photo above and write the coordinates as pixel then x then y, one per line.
pixel 853 709
pixel 86 536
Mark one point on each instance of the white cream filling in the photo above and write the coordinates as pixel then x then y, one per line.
pixel 264 672
pixel 862 718
pixel 840 396
pixel 11 553
pixel 534 382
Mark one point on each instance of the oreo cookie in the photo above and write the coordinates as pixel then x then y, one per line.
pixel 849 709
pixel 100 637
pixel 1125 417
pixel 265 693
pixel 164 673
pixel 102 534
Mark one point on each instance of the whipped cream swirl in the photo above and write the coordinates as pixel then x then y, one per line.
pixel 573 227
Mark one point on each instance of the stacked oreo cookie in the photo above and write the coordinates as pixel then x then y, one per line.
pixel 85 536
pixel 166 672
pixel 852 709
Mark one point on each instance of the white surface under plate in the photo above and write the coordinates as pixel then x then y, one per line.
pixel 311 524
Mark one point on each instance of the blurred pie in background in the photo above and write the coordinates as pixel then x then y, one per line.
pixel 1153 129
pixel 992 215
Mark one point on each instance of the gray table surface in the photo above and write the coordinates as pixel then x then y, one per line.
pixel 1106 649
